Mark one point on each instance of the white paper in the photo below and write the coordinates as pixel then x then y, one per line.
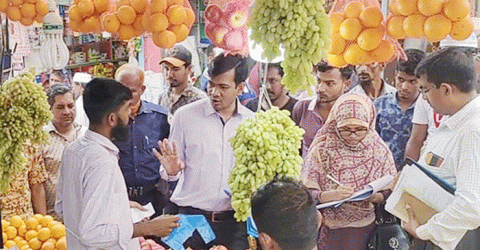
pixel 138 215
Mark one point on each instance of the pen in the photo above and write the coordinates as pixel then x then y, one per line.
pixel 334 180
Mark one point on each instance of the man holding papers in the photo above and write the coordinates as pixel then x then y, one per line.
pixel 447 80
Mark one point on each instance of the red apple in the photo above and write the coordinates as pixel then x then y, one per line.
pixel 219 34
pixel 209 30
pixel 234 40
pixel 238 19
pixel 213 13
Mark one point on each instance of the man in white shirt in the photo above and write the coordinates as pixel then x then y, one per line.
pixel 447 80
pixel 79 81
pixel 91 193
pixel 204 158
pixel 370 81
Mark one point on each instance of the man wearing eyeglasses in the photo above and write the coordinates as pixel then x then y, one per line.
pixel 447 80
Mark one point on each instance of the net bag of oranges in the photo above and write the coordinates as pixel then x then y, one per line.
pixel 25 12
pixel 226 25
pixel 430 19
pixel 359 34
pixel 36 232
pixel 85 15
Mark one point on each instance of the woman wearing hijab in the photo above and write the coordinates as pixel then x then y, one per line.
pixel 348 149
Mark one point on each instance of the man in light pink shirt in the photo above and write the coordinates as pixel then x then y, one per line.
pixel 201 156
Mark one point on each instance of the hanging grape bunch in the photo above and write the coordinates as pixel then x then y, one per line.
pixel 24 111
pixel 265 147
pixel 302 27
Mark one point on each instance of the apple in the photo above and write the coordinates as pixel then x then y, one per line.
pixel 209 30
pixel 213 13
pixel 234 40
pixel 238 19
pixel 219 34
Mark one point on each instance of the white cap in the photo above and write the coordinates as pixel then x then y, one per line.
pixel 82 77
pixel 470 42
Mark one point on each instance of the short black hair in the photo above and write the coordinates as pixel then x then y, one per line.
pixel 103 96
pixel 277 66
pixel 451 65
pixel 346 71
pixel 223 63
pixel 414 56
pixel 58 89
pixel 285 210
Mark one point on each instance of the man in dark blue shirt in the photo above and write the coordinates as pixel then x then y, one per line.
pixel 395 110
pixel 147 125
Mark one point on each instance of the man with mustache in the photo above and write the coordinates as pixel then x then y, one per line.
pixel 147 124
pixel 395 110
pixel 177 68
pixel 91 193
pixel 63 131
pixel 310 114
pixel 276 91
pixel 370 81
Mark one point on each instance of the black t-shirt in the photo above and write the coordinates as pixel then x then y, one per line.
pixel 253 105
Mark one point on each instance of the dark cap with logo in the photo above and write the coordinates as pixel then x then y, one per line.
pixel 178 56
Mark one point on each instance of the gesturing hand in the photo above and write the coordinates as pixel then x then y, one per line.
pixel 169 157
pixel 343 191
pixel 163 225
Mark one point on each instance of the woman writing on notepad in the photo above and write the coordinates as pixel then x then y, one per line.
pixel 346 155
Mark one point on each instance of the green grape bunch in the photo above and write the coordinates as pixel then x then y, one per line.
pixel 24 111
pixel 302 27
pixel 265 147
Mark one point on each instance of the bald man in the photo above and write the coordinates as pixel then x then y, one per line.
pixel 147 125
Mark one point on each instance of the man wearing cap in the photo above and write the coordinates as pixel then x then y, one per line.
pixel 80 80
pixel 177 67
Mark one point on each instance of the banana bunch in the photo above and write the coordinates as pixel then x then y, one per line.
pixel 302 27
pixel 265 147
pixel 24 111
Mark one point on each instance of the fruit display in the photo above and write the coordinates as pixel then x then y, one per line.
pixel 24 11
pixel 85 15
pixel 227 27
pixel 302 28
pixel 104 70
pixel 24 111
pixel 265 147
pixel 430 19
pixel 126 20
pixel 358 36
pixel 37 232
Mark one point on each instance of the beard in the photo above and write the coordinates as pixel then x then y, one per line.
pixel 120 132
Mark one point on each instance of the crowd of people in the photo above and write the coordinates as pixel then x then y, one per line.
pixel 124 152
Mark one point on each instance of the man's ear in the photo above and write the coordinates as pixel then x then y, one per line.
pixel 240 87
pixel 189 68
pixel 111 119
pixel 447 89
pixel 266 241
pixel 347 84
pixel 142 89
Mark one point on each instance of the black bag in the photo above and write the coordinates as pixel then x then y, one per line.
pixel 388 234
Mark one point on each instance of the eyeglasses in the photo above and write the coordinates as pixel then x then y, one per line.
pixel 357 132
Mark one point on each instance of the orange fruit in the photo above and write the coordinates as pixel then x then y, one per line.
pixel 59 229
pixel 74 13
pixel 437 27
pixel 42 8
pixel 353 9
pixel 110 23
pixel 430 7
pixel 45 220
pixel 176 14
pixel 338 44
pixel 61 244
pixel 16 221
pixel 158 22
pixel 126 32
pixel 22 243
pixel 190 20
pixel 392 6
pixel 139 5
pixel 16 2
pixel 22 230
pixel 3 5
pixel 30 235
pixel 336 19
pixel 406 7
pixel 413 25
pixel 28 10
pixel 174 2
pixel 384 52
pixel 138 25
pixel 371 17
pixel 92 23
pixel 370 38
pixel 350 28
pixel 31 1
pixel 25 21
pixel 462 29
pixel 164 39
pixel 121 3
pixel 100 5
pixel 158 6
pixel 355 55
pixel 11 232
pixel 181 32
pixel 9 244
pixel 395 27
pixel 13 13
pixel 44 234
pixel 48 246
pixel 126 14
pixel 456 10
pixel 336 60
pixel 86 8
pixel 74 25
pixel 35 244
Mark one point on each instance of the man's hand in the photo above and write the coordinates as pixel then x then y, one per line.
pixel 376 198
pixel 163 225
pixel 169 157
pixel 136 205
pixel 412 224
pixel 343 192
